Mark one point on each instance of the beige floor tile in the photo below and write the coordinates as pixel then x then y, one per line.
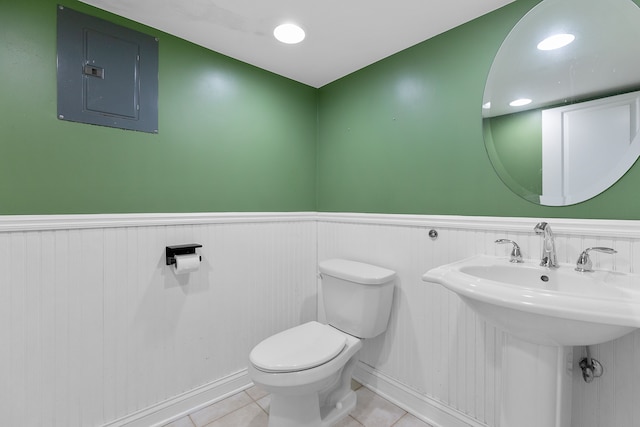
pixel 250 409
pixel 348 422
pixel 264 403
pixel 411 421
pixel 373 411
pixel 248 416
pixel 256 392
pixel 220 409
pixel 181 422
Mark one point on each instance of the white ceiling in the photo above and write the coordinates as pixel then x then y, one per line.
pixel 342 35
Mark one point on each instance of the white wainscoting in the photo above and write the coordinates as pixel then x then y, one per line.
pixel 439 360
pixel 97 331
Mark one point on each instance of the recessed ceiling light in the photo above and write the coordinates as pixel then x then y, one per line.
pixel 289 33
pixel 487 105
pixel 556 41
pixel 520 102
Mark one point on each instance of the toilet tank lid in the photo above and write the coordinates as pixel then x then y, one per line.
pixel 357 272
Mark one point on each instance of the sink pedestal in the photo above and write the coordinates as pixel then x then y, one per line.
pixel 536 389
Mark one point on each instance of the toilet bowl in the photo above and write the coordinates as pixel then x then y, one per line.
pixel 307 369
pixel 297 383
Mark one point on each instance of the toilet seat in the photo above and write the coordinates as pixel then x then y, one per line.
pixel 299 348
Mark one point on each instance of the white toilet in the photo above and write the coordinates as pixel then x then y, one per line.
pixel 307 369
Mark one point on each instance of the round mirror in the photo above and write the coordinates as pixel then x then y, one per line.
pixel 561 106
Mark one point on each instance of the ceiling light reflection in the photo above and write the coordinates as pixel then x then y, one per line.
pixel 520 102
pixel 556 41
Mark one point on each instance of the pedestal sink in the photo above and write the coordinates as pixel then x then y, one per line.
pixel 545 313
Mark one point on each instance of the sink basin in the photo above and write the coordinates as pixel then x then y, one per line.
pixel 556 307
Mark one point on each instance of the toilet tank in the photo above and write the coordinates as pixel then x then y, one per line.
pixel 357 296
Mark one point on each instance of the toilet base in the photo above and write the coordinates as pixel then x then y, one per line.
pixel 315 397
pixel 304 411
pixel 323 408
pixel 341 410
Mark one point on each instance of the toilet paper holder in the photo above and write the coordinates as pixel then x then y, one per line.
pixel 172 251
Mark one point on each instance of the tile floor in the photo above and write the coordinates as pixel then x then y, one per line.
pixel 249 408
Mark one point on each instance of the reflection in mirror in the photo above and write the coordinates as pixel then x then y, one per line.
pixel 561 107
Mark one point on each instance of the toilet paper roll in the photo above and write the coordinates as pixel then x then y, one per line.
pixel 186 263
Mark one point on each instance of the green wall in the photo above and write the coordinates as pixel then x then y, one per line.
pixel 514 146
pixel 232 137
pixel 404 135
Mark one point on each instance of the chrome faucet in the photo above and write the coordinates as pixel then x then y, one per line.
pixel 584 263
pixel 549 258
pixel 516 253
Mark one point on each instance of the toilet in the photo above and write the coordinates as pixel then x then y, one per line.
pixel 307 369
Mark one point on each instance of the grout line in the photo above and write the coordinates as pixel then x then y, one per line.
pixel 255 402
pixel 226 413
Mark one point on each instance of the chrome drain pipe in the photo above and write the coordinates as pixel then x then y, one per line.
pixel 591 368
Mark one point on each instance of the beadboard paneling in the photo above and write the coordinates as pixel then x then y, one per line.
pixel 439 349
pixel 96 327
pixel 434 344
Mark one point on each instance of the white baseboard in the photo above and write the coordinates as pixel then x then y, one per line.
pixel 170 410
pixel 428 410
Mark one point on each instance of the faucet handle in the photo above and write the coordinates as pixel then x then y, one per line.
pixel 516 254
pixel 584 263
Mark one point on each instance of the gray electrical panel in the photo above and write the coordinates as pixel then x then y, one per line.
pixel 107 74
